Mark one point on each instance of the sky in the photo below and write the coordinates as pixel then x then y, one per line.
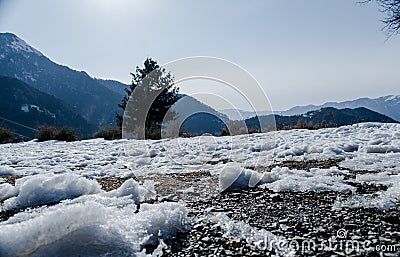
pixel 300 52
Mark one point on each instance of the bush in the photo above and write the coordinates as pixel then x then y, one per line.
pixel 51 133
pixel 110 133
pixel 6 136
pixel 46 133
pixel 66 134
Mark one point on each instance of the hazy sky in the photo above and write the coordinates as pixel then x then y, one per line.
pixel 301 52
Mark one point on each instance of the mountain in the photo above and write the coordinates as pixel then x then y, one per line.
pixel 93 100
pixel 114 86
pixel 198 118
pixel 328 116
pixel 24 108
pixel 237 114
pixel 387 105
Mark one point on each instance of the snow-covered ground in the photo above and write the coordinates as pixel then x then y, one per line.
pixel 62 205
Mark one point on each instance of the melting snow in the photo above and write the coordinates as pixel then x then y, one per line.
pixel 98 222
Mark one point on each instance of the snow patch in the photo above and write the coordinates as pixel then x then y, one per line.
pixel 234 177
pixel 7 191
pixel 317 180
pixel 5 170
pixel 44 189
pixel 19 45
pixel 253 236
pixel 92 228
pixel 382 200
pixel 27 107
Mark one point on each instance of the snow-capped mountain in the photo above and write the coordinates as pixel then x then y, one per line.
pixel 94 101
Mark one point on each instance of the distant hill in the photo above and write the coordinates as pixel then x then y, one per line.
pixel 237 114
pixel 93 100
pixel 198 118
pixel 388 105
pixel 22 105
pixel 328 116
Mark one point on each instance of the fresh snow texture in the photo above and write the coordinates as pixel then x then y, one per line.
pixel 372 146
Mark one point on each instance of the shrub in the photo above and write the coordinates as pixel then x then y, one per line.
pixel 6 136
pixel 66 134
pixel 51 133
pixel 46 133
pixel 110 133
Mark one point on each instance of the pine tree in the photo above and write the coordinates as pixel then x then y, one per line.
pixel 144 110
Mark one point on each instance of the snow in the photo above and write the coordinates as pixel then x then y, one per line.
pixel 284 179
pixel 357 145
pixel 5 170
pixel 25 108
pixel 134 191
pixel 234 177
pixel 19 45
pixel 60 204
pixel 92 228
pixel 260 238
pixel 382 200
pixel 317 180
pixel 97 157
pixel 48 188
pixel 7 191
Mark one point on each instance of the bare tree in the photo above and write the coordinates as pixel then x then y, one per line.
pixel 391 9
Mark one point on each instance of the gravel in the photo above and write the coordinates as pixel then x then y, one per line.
pixel 300 217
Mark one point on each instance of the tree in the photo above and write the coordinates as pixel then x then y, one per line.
pixel 391 8
pixel 149 97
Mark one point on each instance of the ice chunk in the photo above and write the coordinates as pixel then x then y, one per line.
pixel 92 228
pixel 7 191
pixel 5 170
pixel 318 180
pixel 233 177
pixel 49 188
pixel 134 191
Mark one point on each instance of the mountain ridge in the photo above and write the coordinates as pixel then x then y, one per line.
pixel 95 102
pixel 388 105
pixel 324 117
pixel 24 109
